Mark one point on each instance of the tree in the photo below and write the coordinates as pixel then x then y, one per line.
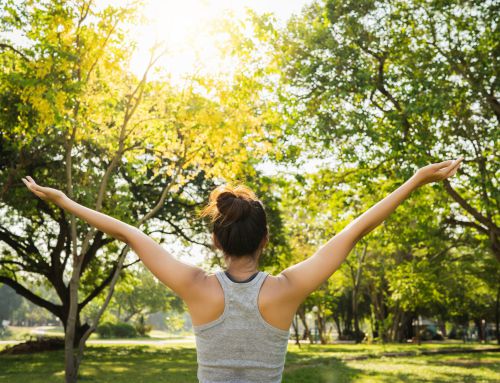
pixel 375 89
pixel 381 85
pixel 9 302
pixel 140 150
pixel 140 294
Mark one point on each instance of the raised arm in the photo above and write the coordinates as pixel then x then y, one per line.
pixel 181 277
pixel 305 277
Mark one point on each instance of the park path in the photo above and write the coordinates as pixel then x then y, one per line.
pixel 42 331
pixel 149 342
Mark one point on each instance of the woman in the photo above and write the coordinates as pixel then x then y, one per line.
pixel 241 316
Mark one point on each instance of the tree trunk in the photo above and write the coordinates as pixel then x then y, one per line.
pixel 497 316
pixel 321 327
pixel 295 324
pixel 337 324
pixel 480 329
pixel 358 337
pixel 442 327
pixel 419 341
pixel 71 368
pixel 307 331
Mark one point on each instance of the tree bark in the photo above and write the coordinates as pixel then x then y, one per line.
pixel 295 324
pixel 320 320
pixel 497 315
pixel 307 332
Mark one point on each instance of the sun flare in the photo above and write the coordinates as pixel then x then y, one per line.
pixel 187 30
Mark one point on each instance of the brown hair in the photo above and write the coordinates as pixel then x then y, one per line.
pixel 238 219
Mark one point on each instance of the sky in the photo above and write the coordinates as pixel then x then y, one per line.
pixel 183 26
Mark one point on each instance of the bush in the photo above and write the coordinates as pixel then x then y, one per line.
pixel 142 327
pixel 5 332
pixel 116 330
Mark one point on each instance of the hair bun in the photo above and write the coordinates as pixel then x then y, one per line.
pixel 230 204
pixel 238 220
pixel 233 208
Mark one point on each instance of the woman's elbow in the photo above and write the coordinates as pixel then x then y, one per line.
pixel 128 235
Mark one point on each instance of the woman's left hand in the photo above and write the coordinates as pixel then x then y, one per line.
pixel 45 193
pixel 438 171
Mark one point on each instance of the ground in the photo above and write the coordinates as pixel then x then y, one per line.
pixel 174 363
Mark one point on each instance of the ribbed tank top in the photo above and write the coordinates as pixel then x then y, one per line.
pixel 240 346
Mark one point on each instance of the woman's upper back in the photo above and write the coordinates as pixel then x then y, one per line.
pixel 274 302
pixel 238 343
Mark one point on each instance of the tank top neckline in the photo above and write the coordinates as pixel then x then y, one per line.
pixel 258 276
pixel 245 281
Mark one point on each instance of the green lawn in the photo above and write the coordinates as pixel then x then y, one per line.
pixel 312 363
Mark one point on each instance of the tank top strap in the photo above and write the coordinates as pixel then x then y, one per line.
pixel 262 277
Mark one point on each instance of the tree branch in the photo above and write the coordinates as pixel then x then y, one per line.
pixel 4 46
pixel 457 222
pixel 466 206
pixel 28 294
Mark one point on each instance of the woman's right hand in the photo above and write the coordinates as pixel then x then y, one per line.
pixel 45 193
pixel 437 172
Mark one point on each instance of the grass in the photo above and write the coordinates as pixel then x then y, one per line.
pixel 312 363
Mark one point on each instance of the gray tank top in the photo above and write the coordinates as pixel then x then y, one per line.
pixel 240 346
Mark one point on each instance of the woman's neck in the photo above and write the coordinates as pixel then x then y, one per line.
pixel 241 268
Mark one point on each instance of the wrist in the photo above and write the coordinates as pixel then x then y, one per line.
pixel 415 181
pixel 63 201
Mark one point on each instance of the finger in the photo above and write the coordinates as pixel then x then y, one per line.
pixel 33 186
pixel 448 169
pixel 454 169
pixel 28 184
pixel 455 163
pixel 441 165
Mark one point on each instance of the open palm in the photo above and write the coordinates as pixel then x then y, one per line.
pixel 45 193
pixel 438 171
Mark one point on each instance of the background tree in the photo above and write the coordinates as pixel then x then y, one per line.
pixel 369 91
pixel 396 85
pixel 139 293
pixel 73 116
pixel 9 302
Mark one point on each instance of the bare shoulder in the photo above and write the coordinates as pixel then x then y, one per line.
pixel 206 285
pixel 206 302
pixel 274 302
pixel 276 290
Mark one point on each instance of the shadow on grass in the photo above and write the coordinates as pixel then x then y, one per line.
pixel 177 363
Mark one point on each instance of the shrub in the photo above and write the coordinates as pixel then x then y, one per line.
pixel 5 332
pixel 116 330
